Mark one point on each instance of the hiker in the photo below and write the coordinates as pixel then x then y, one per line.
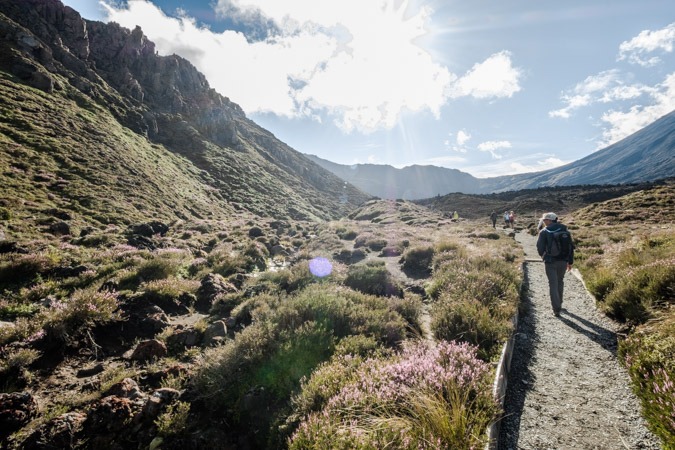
pixel 512 218
pixel 455 215
pixel 493 218
pixel 555 247
pixel 506 219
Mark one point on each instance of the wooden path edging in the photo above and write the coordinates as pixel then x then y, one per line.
pixel 501 378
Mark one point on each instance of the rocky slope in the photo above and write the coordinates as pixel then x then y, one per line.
pixel 646 155
pixel 95 105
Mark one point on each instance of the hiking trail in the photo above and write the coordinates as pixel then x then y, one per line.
pixel 566 388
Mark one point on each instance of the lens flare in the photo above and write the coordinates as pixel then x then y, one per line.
pixel 320 267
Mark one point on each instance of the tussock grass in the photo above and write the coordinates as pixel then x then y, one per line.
pixel 627 258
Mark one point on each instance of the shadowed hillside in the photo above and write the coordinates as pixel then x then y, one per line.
pixel 95 123
pixel 531 203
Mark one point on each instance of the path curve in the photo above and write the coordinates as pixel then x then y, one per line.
pixel 566 388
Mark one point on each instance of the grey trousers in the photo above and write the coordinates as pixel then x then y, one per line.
pixel 555 272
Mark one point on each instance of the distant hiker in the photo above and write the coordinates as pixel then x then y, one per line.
pixel 512 218
pixel 493 218
pixel 455 215
pixel 556 248
pixel 507 222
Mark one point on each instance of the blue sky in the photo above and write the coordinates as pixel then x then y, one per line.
pixel 484 86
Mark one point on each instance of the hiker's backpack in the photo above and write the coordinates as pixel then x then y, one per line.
pixel 560 244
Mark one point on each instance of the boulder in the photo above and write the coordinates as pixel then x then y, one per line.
pixel 110 414
pixel 149 350
pixel 16 410
pixel 183 339
pixel 59 433
pixel 217 329
pixel 212 286
pixel 60 229
pixel 127 388
pixel 158 401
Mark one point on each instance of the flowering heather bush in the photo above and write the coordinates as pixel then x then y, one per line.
pixel 170 287
pixel 82 310
pixel 18 269
pixel 475 299
pixel 649 354
pixel 288 337
pixel 426 397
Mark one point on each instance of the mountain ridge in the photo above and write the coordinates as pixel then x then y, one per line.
pixel 108 92
pixel 646 155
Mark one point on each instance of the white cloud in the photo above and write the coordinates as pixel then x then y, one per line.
pixel 254 74
pixel 609 88
pixel 587 92
pixel 363 69
pixel 494 77
pixel 492 147
pixel 459 144
pixel 534 163
pixel 624 123
pixel 647 42
pixel 462 137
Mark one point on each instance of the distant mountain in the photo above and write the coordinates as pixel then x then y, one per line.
pixel 408 183
pixel 96 127
pixel 647 155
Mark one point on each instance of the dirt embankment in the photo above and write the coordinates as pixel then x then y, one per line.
pixel 566 389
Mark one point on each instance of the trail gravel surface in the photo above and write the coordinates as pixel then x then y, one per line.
pixel 566 388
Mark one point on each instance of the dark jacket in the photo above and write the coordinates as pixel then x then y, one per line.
pixel 545 237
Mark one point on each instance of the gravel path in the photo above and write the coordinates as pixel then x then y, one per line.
pixel 566 388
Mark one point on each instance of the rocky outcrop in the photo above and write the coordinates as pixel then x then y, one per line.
pixel 16 410
pixel 165 99
pixel 212 287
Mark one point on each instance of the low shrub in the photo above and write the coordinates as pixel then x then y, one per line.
pixel 426 397
pixel 641 291
pixel 24 269
pixel 649 354
pixel 73 316
pixel 288 337
pixel 174 421
pixel 157 266
pixel 290 280
pixel 372 278
pixel 170 287
pixel 410 308
pixel 418 260
pixel 345 234
pixel 10 311
pixel 469 320
pixel 358 345
pixel 376 244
